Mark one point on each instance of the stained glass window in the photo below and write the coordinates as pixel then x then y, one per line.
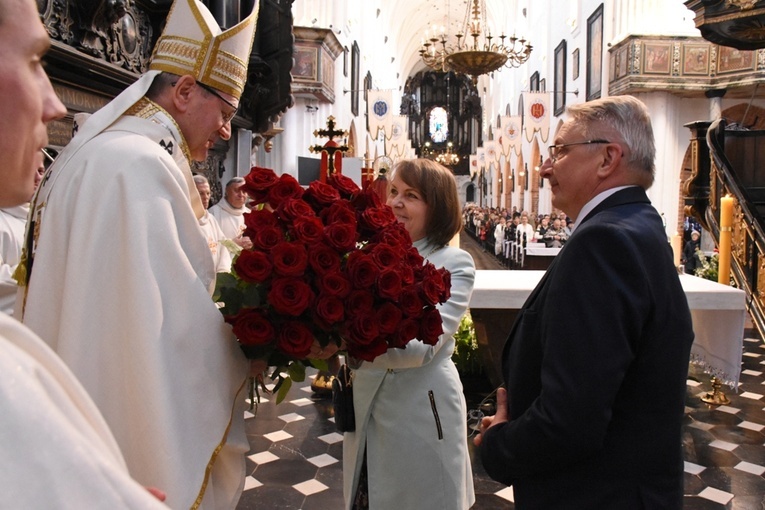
pixel 439 127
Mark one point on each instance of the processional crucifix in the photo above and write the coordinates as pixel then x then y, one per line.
pixel 331 152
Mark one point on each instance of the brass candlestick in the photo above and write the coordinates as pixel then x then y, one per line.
pixel 715 397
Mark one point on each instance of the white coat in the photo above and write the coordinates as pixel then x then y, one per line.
pixel 416 444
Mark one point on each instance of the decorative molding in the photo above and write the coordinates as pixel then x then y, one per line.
pixel 687 66
pixel 314 72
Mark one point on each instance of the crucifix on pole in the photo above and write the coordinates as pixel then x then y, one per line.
pixel 331 152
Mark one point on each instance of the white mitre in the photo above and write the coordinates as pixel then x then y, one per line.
pixel 193 43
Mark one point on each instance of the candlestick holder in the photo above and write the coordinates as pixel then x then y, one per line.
pixel 715 397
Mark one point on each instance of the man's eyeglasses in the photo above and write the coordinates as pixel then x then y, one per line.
pixel 554 150
pixel 226 117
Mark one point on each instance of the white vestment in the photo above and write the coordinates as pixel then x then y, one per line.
pixel 119 288
pixel 57 451
pixel 230 219
pixel 12 223
pixel 214 235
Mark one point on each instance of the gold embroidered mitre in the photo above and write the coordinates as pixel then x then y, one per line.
pixel 193 43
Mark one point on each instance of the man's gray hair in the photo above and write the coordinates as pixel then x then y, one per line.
pixel 200 179
pixel 236 181
pixel 625 117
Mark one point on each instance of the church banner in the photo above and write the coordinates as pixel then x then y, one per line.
pixel 399 135
pixel 536 114
pixel 473 165
pixel 379 112
pixel 491 153
pixel 510 135
pixel 480 153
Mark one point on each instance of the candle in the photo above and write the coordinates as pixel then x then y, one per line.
pixel 726 224
pixel 677 247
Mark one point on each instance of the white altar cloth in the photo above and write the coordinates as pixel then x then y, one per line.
pixel 718 312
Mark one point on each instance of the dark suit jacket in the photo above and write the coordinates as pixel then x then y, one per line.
pixel 595 367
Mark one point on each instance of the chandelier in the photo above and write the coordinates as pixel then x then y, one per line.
pixel 448 158
pixel 478 57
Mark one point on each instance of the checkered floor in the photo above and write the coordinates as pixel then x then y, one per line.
pixel 296 456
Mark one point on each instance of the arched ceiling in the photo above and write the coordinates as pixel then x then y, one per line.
pixel 410 19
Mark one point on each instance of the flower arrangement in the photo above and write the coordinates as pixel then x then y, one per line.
pixel 329 263
pixel 466 356
pixel 709 266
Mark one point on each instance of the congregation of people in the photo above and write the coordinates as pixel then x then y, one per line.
pixel 506 233
pixel 122 387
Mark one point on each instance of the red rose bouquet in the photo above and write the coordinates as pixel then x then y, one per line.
pixel 329 263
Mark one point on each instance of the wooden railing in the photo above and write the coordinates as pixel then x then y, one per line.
pixel 728 161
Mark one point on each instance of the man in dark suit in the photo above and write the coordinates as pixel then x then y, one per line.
pixel 596 363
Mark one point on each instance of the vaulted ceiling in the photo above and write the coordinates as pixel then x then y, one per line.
pixel 410 19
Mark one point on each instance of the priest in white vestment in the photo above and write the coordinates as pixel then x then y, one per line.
pixel 57 450
pixel 229 212
pixel 13 220
pixel 211 229
pixel 119 277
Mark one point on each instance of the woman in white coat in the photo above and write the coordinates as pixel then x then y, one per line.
pixel 409 450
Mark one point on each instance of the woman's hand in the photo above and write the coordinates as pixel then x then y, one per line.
pixel 319 352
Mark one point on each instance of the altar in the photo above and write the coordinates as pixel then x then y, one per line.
pixel 718 313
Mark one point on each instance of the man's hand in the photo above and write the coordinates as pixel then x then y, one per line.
pixel 244 241
pixel 258 367
pixel 500 417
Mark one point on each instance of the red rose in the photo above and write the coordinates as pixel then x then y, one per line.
pixel 334 283
pixel 320 195
pixel 343 184
pixel 329 309
pixel 267 237
pixel 385 256
pixel 447 278
pixel 406 273
pixel 407 330
pixel 377 218
pixel 308 230
pixel 341 236
pixel 323 259
pixel 389 284
pixel 410 301
pixel 287 187
pixel 363 329
pixel 362 270
pixel 339 212
pixel 431 326
pixel 413 258
pixel 359 302
pixel 388 316
pixel 252 327
pixel 290 296
pixel 366 199
pixel 289 259
pixel 369 351
pixel 252 266
pixel 292 208
pixel 295 339
pixel 258 182
pixel 260 218
pixel 432 284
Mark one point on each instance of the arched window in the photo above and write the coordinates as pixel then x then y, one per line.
pixel 439 125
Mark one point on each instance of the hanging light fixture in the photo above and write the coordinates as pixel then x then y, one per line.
pixel 448 158
pixel 479 56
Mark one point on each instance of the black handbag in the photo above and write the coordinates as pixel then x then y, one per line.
pixel 342 400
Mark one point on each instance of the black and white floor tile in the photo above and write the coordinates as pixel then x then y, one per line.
pixel 295 460
pixel 296 456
